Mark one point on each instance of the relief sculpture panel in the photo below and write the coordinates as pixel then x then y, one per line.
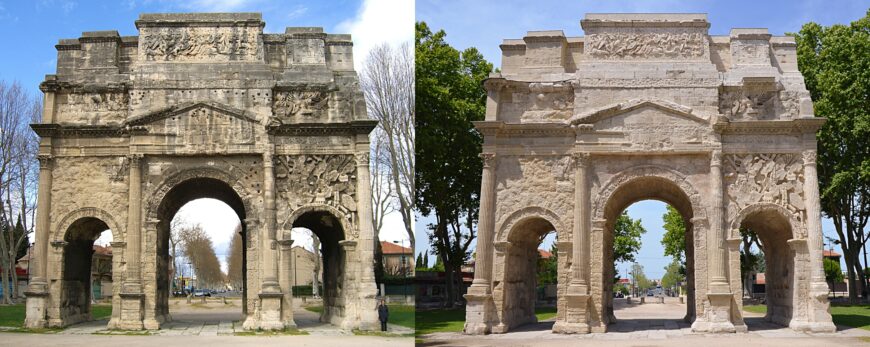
pixel 319 179
pixel 764 178
pixel 93 108
pixel 212 43
pixel 616 45
pixel 300 106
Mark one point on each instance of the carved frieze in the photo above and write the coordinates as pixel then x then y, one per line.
pixel 205 43
pixel 747 104
pixel 616 45
pixel 300 106
pixel 764 178
pixel 117 171
pixel 321 179
pixel 548 101
pixel 204 128
pixel 94 108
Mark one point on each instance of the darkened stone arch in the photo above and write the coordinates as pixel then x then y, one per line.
pixel 331 227
pixel 158 194
pixel 62 227
pixel 165 200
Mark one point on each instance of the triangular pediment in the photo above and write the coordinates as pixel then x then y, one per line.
pixel 189 107
pixel 599 114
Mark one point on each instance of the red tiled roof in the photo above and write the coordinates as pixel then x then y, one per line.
pixel 827 253
pixel 544 254
pixel 392 248
pixel 103 250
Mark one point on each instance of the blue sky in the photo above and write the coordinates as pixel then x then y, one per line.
pixel 29 31
pixel 484 24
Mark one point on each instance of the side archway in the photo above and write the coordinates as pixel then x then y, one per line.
pixel 516 249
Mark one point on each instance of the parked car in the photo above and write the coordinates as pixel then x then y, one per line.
pixel 200 293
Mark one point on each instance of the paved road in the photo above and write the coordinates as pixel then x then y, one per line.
pixel 656 325
pixel 29 340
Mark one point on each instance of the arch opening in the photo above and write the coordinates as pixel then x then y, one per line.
pixel 662 190
pixel 191 192
pixel 329 232
pixel 524 297
pixel 774 273
pixel 85 266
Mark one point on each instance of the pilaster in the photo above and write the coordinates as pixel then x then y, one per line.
pixel 132 296
pixel 479 305
pixel 37 292
pixel 578 297
pixel 818 306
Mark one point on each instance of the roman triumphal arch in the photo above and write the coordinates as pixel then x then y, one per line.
pixel 648 106
pixel 202 106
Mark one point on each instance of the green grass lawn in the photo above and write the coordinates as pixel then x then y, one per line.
pixel 399 314
pixel 857 316
pixel 13 315
pixel 454 320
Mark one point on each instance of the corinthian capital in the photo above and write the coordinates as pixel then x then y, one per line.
pixel 716 158
pixel 488 159
pixel 809 157
pixel 45 161
pixel 581 159
pixel 362 158
pixel 135 158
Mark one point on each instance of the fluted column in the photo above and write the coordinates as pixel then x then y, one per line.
pixel 39 284
pixel 366 228
pixel 814 227
pixel 133 281
pixel 718 281
pixel 483 261
pixel 367 288
pixel 579 282
pixel 268 239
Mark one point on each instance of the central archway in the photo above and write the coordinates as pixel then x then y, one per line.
pixel 621 191
pixel 177 191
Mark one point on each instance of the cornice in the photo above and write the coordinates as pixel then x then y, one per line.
pixel 357 127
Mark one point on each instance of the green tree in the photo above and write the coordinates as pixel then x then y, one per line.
pixel 835 63
pixel 833 273
pixel 674 274
pixel 419 261
pixel 548 268
pixel 674 239
pixel 449 97
pixel 626 238
pixel 638 277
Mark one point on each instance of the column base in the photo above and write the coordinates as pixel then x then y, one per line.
pixel 477 313
pixel 132 312
pixel 269 313
pixel 819 320
pixel 718 318
pixel 36 309
pixel 577 317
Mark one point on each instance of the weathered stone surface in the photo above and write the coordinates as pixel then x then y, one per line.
pixel 655 108
pixel 202 106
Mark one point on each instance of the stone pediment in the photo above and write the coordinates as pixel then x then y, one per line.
pixel 188 107
pixel 598 114
pixel 200 126
pixel 647 125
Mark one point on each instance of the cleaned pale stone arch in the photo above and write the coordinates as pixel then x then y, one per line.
pixel 782 252
pixel 509 230
pixel 346 226
pixel 507 226
pixel 604 209
pixel 795 225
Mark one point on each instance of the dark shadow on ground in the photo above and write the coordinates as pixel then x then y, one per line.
pixel 761 324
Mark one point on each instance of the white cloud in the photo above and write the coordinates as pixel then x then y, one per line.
pixel 377 22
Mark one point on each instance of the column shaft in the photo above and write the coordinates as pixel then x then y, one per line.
pixel 133 282
pixel 268 241
pixel 580 243
pixel 43 212
pixel 483 263
pixel 366 229
pixel 718 281
pixel 814 227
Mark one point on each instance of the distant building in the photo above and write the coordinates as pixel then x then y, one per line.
pixel 759 283
pixel 303 266
pixel 398 260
